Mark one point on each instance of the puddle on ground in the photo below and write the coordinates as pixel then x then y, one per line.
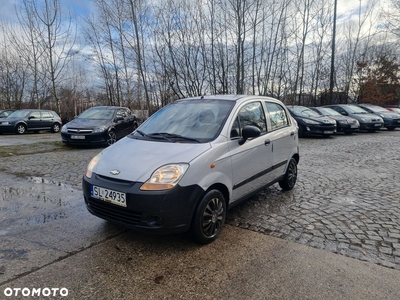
pixel 13 254
pixel 35 200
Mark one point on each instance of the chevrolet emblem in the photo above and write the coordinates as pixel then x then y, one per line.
pixel 115 172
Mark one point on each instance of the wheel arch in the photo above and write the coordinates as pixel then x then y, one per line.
pixel 220 187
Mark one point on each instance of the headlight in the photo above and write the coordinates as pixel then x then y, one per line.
pixel 92 164
pixel 342 121
pixel 309 121
pixel 100 129
pixel 388 117
pixel 365 120
pixel 64 129
pixel 165 178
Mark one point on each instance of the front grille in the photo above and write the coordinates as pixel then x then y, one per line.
pixel 113 212
pixel 73 130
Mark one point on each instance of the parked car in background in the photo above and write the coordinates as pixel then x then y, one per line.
pixel 344 124
pixel 35 120
pixel 191 161
pixel 4 113
pixel 311 122
pixel 391 119
pixel 99 125
pixel 368 121
pixel 394 109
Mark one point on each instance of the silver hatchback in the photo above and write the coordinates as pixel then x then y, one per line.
pixel 191 161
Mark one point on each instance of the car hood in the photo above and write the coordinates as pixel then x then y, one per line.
pixel 335 117
pixel 367 115
pixel 12 120
pixel 321 119
pixel 86 123
pixel 136 160
pixel 389 115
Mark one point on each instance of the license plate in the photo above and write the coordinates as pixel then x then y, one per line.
pixel 378 125
pixel 328 132
pixel 353 126
pixel 108 195
pixel 77 137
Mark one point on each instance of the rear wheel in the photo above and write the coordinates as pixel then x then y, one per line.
pixel 55 128
pixel 111 137
pixel 20 129
pixel 209 217
pixel 288 182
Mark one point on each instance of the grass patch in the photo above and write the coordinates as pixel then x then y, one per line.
pixel 39 147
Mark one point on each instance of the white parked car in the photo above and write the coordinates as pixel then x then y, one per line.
pixel 191 161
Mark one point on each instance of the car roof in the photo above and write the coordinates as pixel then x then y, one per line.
pixel 230 97
pixel 107 107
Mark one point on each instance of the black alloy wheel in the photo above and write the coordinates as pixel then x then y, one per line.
pixel 111 137
pixel 209 217
pixel 290 178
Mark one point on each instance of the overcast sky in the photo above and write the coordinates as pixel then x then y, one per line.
pixel 345 7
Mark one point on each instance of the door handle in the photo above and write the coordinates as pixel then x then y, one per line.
pixel 292 133
pixel 267 142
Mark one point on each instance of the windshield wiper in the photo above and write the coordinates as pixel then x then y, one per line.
pixel 141 133
pixel 170 136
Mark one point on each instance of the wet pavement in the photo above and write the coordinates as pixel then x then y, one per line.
pixel 346 204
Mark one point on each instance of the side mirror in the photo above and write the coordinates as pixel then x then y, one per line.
pixel 119 119
pixel 249 132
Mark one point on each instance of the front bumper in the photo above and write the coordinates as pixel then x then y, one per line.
pixel 163 212
pixel 391 123
pixel 313 129
pixel 371 125
pixel 7 128
pixel 347 128
pixel 84 139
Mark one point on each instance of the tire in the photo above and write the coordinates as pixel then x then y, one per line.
pixel 390 128
pixel 301 132
pixel 288 182
pixel 209 217
pixel 20 129
pixel 55 128
pixel 111 137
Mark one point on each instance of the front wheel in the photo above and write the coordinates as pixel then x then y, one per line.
pixel 290 178
pixel 209 217
pixel 21 128
pixel 111 137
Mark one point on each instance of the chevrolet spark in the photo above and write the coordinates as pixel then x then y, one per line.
pixel 191 161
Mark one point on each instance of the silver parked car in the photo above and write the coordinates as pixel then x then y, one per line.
pixel 191 161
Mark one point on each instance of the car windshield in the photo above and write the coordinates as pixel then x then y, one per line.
pixel 375 108
pixel 355 109
pixel 304 111
pixel 96 113
pixel 395 109
pixel 19 114
pixel 186 121
pixel 326 111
